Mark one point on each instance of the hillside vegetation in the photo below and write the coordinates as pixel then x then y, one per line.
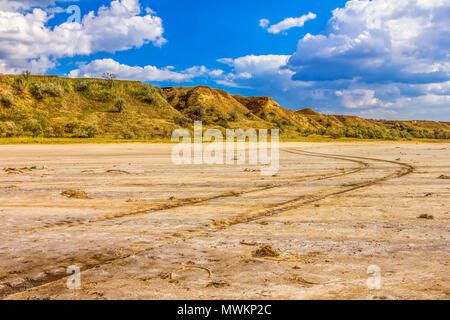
pixel 54 107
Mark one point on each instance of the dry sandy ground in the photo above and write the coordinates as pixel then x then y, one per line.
pixel 329 219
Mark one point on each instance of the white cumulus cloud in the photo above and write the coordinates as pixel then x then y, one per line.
pixel 265 73
pixel 13 5
pixel 379 40
pixel 96 68
pixel 25 38
pixel 378 57
pixel 288 23
pixel 264 23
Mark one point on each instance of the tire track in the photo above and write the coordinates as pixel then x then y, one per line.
pixel 6 289
pixel 195 201
pixel 299 202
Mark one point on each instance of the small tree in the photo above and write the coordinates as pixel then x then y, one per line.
pixel 26 74
pixel 110 77
pixel 120 105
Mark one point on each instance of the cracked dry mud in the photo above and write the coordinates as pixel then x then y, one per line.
pixel 151 230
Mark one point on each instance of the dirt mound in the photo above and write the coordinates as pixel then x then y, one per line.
pixel 268 109
pixel 266 251
pixel 256 104
pixel 16 170
pixel 75 194
pixel 426 216
pixel 218 284
pixel 207 98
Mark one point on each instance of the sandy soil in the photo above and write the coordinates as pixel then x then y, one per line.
pixel 145 228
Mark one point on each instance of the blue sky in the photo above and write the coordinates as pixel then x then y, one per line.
pixel 376 59
pixel 201 31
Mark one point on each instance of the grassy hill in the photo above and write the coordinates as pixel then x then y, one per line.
pixel 54 107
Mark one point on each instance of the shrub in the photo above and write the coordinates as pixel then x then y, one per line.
pixel 120 105
pixel 148 94
pixel 76 129
pixel 220 116
pixel 181 121
pixel 81 86
pixel 211 111
pixel 71 127
pixel 232 116
pixel 9 129
pixel 55 129
pixel 127 135
pixel 44 90
pixel 280 123
pixel 65 85
pixel 196 113
pixel 33 127
pixel 86 131
pixel 335 134
pixel 7 100
pixel 215 115
pixel 223 123
pixel 19 84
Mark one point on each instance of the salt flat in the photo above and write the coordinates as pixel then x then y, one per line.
pixel 148 229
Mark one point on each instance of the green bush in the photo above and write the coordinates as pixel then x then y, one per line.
pixel 55 129
pixel 75 129
pixel 281 123
pixel 33 128
pixel 148 94
pixel 65 85
pixel 7 100
pixel 232 116
pixel 196 113
pixel 127 135
pixel 44 90
pixel 9 129
pixel 86 131
pixel 71 127
pixel 81 86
